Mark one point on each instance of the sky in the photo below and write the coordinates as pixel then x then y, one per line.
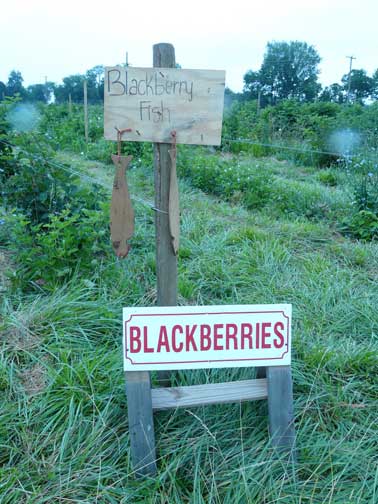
pixel 46 38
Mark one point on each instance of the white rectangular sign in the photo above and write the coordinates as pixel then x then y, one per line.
pixel 198 337
pixel 153 102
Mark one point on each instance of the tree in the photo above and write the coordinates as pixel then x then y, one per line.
pixel 334 93
pixel 95 83
pixel 289 71
pixel 40 92
pixel 72 85
pixel 14 85
pixel 361 85
pixel 374 86
pixel 3 90
pixel 252 84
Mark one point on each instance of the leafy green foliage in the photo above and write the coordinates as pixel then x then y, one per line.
pixel 63 426
pixel 39 187
pixel 225 178
pixel 362 221
pixel 361 85
pixel 327 177
pixel 41 93
pixel 289 70
pixel 73 86
pixel 5 149
pixel 335 93
pixel 63 421
pixel 55 225
pixel 14 85
pixel 65 131
pixel 313 133
pixel 363 224
pixel 51 253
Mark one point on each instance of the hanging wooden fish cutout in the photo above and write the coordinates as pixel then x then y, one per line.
pixel 121 211
pixel 174 204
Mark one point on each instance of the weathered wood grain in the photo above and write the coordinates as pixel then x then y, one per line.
pixel 261 372
pixel 216 393
pixel 141 423
pixel 166 259
pixel 280 405
pixel 121 210
pixel 153 102
pixel 174 202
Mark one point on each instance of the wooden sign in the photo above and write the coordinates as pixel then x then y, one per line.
pixel 197 337
pixel 153 102
pixel 121 210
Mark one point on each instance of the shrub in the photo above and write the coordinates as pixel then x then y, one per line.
pixel 37 186
pixel 327 177
pixel 363 225
pixel 236 181
pixel 315 133
pixel 69 243
pixel 362 221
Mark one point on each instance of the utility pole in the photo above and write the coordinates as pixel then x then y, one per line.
pixel 351 58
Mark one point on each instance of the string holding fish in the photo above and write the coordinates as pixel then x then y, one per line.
pixel 174 204
pixel 121 210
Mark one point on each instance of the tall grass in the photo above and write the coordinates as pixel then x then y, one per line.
pixel 63 412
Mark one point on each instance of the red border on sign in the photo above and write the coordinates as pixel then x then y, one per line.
pixel 206 360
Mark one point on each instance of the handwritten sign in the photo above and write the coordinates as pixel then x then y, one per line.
pixel 198 337
pixel 155 101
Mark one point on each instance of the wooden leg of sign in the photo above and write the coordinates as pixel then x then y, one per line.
pixel 166 260
pixel 280 405
pixel 261 372
pixel 141 423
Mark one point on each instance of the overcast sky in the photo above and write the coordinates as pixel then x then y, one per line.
pixel 55 39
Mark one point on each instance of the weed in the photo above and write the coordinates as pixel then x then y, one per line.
pixel 64 432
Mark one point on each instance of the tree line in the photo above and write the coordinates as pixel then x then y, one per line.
pixel 289 70
pixel 72 88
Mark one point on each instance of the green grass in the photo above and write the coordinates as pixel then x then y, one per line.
pixel 63 412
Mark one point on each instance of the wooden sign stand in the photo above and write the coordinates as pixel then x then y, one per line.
pixel 142 400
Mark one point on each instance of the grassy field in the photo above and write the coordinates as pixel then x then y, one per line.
pixel 63 412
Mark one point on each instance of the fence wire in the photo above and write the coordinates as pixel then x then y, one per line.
pixel 283 147
pixel 93 180
pixel 70 170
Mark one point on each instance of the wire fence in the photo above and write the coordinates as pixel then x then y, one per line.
pixel 281 146
pixel 225 140
pixel 80 174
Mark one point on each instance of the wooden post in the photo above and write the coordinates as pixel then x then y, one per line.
pixel 141 398
pixel 141 423
pixel 138 386
pixel 86 110
pixel 260 372
pixel 69 104
pixel 280 406
pixel 166 260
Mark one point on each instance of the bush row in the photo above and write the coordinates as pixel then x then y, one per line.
pixel 315 133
